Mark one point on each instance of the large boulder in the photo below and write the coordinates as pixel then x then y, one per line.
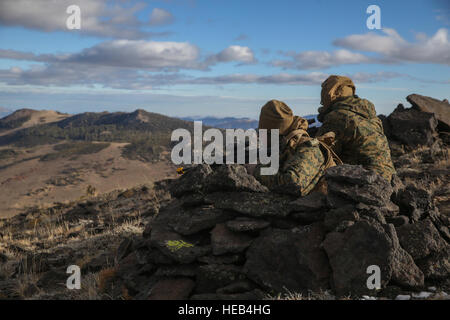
pixel 223 240
pixel 356 184
pixel 436 266
pixel 413 201
pixel 441 109
pixel 420 239
pixel 364 244
pixel 412 127
pixel 204 179
pixel 289 260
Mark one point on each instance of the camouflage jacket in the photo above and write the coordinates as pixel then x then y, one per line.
pixel 359 134
pixel 299 172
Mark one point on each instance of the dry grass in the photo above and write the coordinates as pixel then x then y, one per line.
pixel 58 234
pixel 320 295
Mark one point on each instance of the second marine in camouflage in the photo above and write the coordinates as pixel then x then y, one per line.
pixel 359 132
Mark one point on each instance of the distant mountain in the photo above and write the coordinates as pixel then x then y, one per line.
pixel 226 123
pixel 139 120
pixel 24 118
pixel 148 133
pixel 239 123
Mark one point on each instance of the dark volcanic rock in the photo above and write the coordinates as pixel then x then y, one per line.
pixel 398 221
pixel 436 266
pixel 195 220
pixel 441 109
pixel 371 213
pixel 413 127
pixel 351 174
pixel 285 260
pixel 314 201
pixel 362 245
pixel 256 204
pixel 223 240
pixel 310 208
pixel 211 277
pixel 244 224
pixel 413 201
pixel 232 178
pixel 172 289
pixel 177 271
pixel 404 271
pixel 222 259
pixel 203 178
pixel 192 181
pixel 359 185
pixel 336 216
pixel 420 239
pixel 236 287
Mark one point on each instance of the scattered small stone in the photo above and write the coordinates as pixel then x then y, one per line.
pixel 422 295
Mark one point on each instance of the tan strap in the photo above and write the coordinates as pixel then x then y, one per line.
pixel 327 141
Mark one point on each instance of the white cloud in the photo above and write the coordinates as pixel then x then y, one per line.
pixel 105 18
pixel 233 53
pixel 392 48
pixel 160 17
pixel 321 59
pixel 140 54
pixel 389 48
pixel 150 55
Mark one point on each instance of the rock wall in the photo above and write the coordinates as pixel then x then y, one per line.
pixel 245 242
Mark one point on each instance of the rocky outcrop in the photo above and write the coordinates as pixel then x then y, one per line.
pixel 411 127
pixel 441 109
pixel 224 236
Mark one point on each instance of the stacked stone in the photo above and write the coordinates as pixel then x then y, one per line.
pixel 225 236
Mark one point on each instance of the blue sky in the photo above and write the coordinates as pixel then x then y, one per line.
pixel 214 57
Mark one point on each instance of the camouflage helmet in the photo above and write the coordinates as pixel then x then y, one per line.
pixel 335 87
pixel 276 115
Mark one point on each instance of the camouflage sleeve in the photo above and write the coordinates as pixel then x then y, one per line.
pixel 374 152
pixel 299 174
pixel 339 124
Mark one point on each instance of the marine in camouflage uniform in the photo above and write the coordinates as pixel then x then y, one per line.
pixel 302 159
pixel 359 132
